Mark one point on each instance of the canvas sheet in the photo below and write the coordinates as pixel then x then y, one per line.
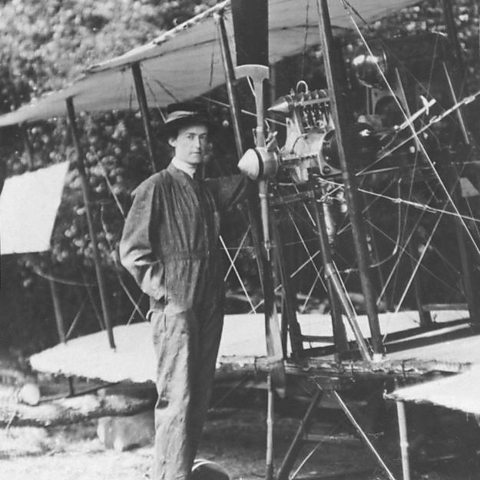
pixel 28 208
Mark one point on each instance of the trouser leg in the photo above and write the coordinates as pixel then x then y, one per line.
pixel 174 337
pixel 186 345
pixel 209 340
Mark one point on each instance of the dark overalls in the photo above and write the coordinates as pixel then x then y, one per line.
pixel 170 244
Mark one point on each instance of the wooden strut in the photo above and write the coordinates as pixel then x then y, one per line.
pixel 290 325
pixel 229 82
pixel 402 430
pixel 57 307
pixel 237 131
pixel 270 422
pixel 142 103
pixel 283 261
pixel 338 327
pixel 342 120
pixel 453 174
pixel 425 316
pixel 303 434
pixel 86 198
pixel 362 434
pixel 259 73
pixel 293 450
pixel 465 260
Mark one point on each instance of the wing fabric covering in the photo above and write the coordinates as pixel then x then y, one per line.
pixel 185 62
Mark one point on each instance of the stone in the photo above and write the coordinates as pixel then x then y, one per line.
pixel 124 433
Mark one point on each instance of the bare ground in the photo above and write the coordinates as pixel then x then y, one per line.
pixel 235 439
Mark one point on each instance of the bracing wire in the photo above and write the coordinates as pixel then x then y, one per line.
pixel 76 319
pixel 348 6
pixel 246 112
pixel 403 250
pixel 134 303
pixel 304 264
pixel 310 293
pixel 417 266
pixel 110 188
pixel 369 206
pixel 310 257
pixel 415 134
pixel 237 273
pixel 432 121
pixel 305 39
pixel 62 281
pixel 166 90
pixel 417 205
pixel 237 252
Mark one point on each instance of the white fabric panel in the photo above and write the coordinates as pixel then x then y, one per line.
pixel 28 208
pixel 460 392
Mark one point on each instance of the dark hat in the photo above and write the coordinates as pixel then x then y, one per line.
pixel 183 114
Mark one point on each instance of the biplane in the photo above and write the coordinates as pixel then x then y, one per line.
pixel 371 185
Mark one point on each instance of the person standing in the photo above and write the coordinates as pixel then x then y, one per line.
pixel 170 245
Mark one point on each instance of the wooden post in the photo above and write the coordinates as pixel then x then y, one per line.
pixel 343 124
pixel 142 103
pixel 86 198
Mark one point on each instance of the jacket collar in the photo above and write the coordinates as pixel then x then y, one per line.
pixel 185 167
pixel 180 175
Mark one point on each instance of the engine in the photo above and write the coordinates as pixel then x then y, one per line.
pixel 310 145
